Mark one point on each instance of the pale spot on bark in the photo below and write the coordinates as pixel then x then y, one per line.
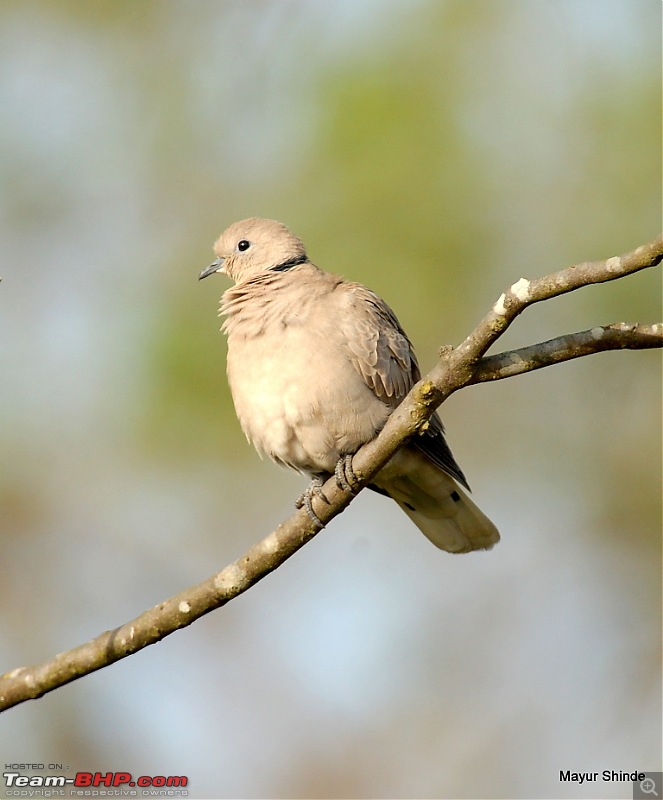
pixel 613 264
pixel 499 307
pixel 184 607
pixel 597 333
pixel 270 544
pixel 521 289
pixel 230 579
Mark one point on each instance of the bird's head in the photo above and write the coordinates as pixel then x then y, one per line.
pixel 255 245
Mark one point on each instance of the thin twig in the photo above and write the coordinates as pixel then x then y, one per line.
pixel 618 336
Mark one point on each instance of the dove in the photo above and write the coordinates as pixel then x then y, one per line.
pixel 316 364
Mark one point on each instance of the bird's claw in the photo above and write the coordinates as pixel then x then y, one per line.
pixel 305 500
pixel 345 475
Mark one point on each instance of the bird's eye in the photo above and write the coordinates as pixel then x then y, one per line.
pixel 243 245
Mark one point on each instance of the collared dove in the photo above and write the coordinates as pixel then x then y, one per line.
pixel 316 364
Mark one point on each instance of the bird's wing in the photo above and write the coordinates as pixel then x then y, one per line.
pixel 376 344
pixel 433 444
pixel 381 352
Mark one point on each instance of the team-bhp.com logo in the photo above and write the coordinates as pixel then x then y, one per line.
pixel 94 784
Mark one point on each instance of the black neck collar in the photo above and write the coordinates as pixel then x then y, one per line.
pixel 289 264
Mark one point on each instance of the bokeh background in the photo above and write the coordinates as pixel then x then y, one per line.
pixel 436 151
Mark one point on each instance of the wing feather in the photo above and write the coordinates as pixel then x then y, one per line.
pixel 382 353
pixel 377 345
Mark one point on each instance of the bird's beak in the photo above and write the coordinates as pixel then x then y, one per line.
pixel 215 266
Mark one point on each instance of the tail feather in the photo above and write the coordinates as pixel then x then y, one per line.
pixel 436 504
pixel 460 528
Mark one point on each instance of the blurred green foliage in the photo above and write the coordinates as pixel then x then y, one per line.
pixel 410 184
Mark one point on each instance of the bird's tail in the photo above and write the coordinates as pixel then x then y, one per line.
pixel 436 504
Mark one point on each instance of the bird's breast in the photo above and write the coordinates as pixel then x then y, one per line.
pixel 298 397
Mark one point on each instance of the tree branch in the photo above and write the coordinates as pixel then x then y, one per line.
pixel 457 367
pixel 618 336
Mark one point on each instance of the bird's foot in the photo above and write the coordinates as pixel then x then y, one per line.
pixel 345 475
pixel 305 500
